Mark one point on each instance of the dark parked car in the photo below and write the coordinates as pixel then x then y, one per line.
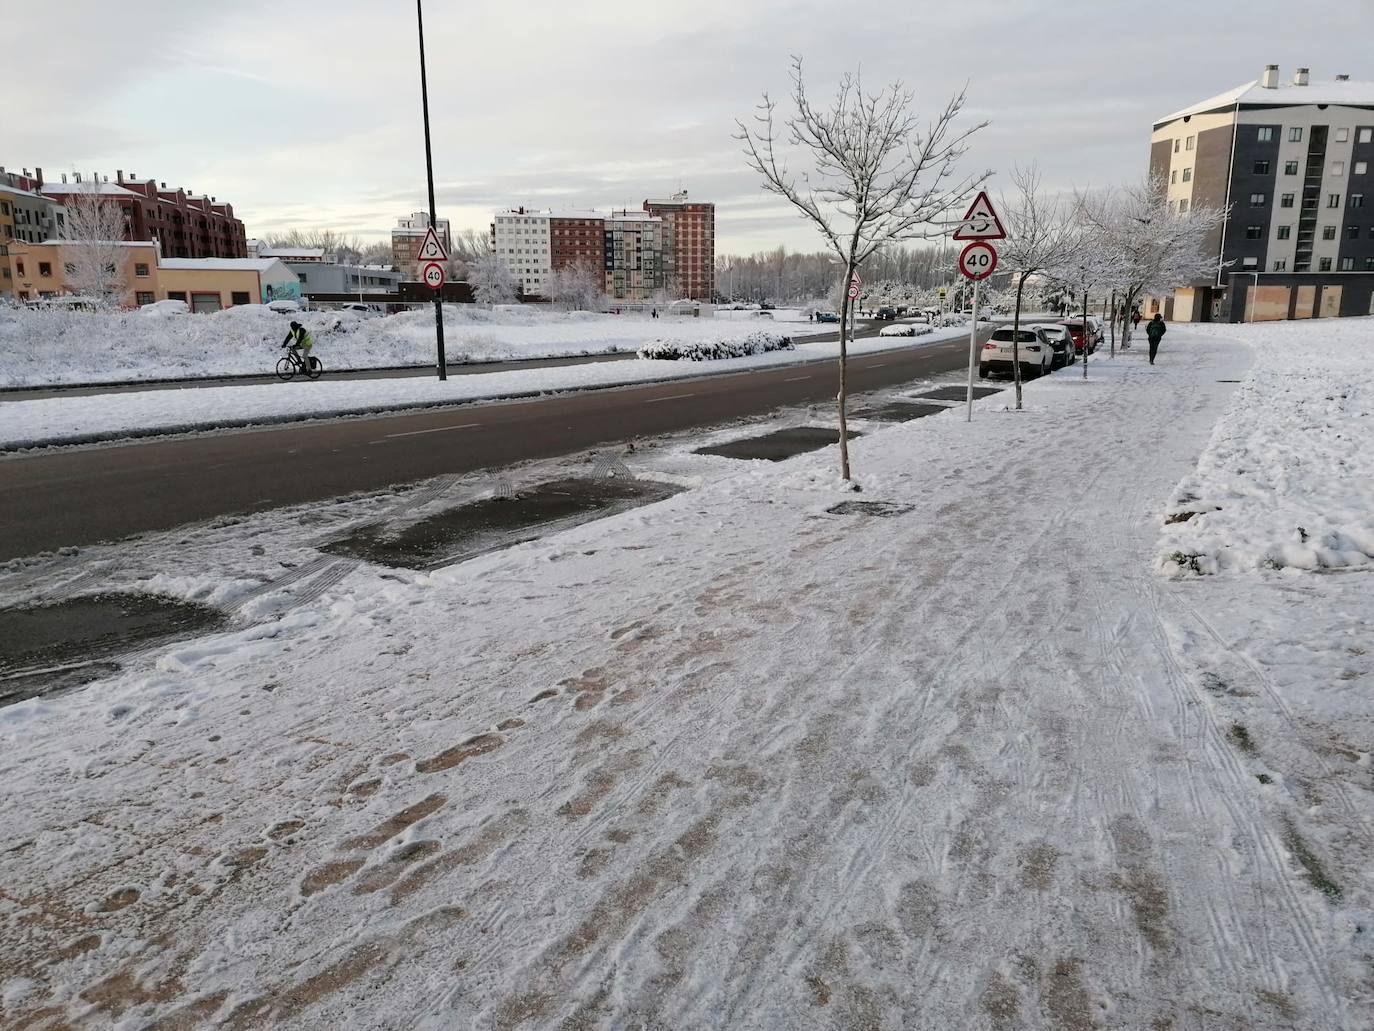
pixel 827 316
pixel 886 314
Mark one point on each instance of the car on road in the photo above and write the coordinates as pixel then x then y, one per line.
pixel 827 316
pixel 1035 353
pixel 763 314
pixel 885 314
pixel 1060 340
pixel 905 329
pixel 1082 337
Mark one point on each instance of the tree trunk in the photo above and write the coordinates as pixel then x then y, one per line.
pixel 1016 338
pixel 1087 338
pixel 1113 329
pixel 842 396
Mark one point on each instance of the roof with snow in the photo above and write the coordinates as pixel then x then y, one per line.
pixel 219 264
pixel 288 253
pixel 1285 94
pixel 104 189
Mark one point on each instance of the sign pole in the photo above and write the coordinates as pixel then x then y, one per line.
pixel 429 172
pixel 972 350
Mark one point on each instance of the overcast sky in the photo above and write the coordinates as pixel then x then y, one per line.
pixel 307 114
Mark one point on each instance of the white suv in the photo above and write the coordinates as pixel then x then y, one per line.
pixel 1036 354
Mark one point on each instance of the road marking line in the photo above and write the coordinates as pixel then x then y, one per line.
pixel 437 429
pixel 876 365
pixel 795 379
pixel 670 397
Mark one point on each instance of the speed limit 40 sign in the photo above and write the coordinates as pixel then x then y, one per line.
pixel 978 260
pixel 433 275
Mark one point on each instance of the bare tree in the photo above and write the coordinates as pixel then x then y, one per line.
pixel 1039 236
pixel 1156 246
pixel 491 280
pixel 95 254
pixel 873 175
pixel 578 287
pixel 1093 262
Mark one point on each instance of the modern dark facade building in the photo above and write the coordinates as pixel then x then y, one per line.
pixel 1294 164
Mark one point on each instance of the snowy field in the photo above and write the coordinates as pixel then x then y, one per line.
pixel 731 761
pixel 97 417
pixel 39 348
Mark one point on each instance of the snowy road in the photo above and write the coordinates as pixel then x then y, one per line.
pixel 723 762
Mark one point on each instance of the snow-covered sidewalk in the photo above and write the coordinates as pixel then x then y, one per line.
pixel 732 761
pixel 97 417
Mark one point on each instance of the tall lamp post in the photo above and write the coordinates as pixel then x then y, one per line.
pixel 429 172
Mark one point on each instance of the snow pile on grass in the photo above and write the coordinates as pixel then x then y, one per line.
pixel 676 348
pixel 1287 481
pixel 41 347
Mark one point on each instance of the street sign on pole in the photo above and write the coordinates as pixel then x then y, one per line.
pixel 433 275
pixel 431 249
pixel 978 261
pixel 429 176
pixel 854 285
pixel 981 221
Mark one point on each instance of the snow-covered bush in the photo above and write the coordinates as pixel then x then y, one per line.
pixel 672 348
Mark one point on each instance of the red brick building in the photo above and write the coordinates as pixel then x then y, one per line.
pixel 187 226
pixel 577 238
pixel 689 245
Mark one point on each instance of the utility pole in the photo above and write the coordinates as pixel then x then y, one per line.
pixel 429 172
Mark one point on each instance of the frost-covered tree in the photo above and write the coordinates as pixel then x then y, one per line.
pixel 491 280
pixel 864 171
pixel 94 252
pixel 1040 236
pixel 577 287
pixel 1093 262
pixel 1156 246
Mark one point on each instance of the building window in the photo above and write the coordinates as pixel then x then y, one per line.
pixel 1265 134
pixel 1338 168
pixel 1189 144
pixel 4 207
pixel 19 267
pixel 1173 176
pixel 1333 200
pixel 1290 168
pixel 1347 264
pixel 302 276
pixel 1342 135
pixel 1366 136
pixel 144 297
pixel 1324 265
pixel 1352 232
pixel 1369 264
pixel 240 297
pixel 1328 232
pixel 1176 143
pixel 1281 265
pixel 1254 232
pixel 1361 167
pixel 1284 232
pixel 1286 200
pixel 1183 205
pixel 1357 200
pixel 1261 167
pixel 1295 134
pixel 1249 262
pixel 1257 200
pixel 45 270
pixel 1187 175
pixel 141 271
pixel 176 295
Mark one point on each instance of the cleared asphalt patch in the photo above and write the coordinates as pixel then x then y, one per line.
pixel 899 411
pixel 466 531
pixel 883 509
pixel 959 393
pixel 779 445
pixel 44 648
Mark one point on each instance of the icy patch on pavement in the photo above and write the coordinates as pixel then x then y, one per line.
pixel 1287 481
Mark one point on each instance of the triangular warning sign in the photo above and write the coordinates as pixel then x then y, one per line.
pixel 981 221
pixel 431 249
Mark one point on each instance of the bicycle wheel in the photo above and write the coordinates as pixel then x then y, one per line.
pixel 286 368
pixel 313 367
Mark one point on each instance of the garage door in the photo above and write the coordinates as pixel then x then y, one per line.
pixel 205 302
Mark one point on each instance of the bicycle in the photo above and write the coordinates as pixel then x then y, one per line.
pixel 291 363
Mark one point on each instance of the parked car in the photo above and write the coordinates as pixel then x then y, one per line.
pixel 285 306
pixel 359 308
pixel 1036 354
pixel 885 314
pixel 827 316
pixel 1060 340
pixel 901 311
pixel 1081 337
pixel 763 314
pixel 906 330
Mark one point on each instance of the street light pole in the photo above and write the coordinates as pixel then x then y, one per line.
pixel 429 172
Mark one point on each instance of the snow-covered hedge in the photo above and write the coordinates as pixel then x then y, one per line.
pixel 674 348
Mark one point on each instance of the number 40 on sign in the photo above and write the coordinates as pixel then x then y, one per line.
pixel 978 260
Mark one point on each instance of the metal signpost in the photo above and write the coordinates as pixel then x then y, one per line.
pixel 429 172
pixel 854 284
pixel 976 263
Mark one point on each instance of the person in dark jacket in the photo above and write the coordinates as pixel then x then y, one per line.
pixel 1155 330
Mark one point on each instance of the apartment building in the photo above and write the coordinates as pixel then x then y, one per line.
pixel 26 216
pixel 577 238
pixel 1294 163
pixel 407 237
pixel 689 245
pixel 522 239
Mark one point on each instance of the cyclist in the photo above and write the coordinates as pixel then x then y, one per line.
pixel 300 341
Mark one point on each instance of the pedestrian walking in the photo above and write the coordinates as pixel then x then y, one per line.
pixel 1155 330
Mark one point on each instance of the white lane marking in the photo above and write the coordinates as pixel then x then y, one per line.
pixel 670 397
pixel 795 379
pixel 416 433
pixel 876 365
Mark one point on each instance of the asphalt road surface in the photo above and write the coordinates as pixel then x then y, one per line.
pixel 78 496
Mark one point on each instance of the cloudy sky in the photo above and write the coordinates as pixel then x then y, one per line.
pixel 307 114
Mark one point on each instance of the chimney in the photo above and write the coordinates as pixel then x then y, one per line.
pixel 64 177
pixel 119 175
pixel 1270 79
pixel 78 176
pixel 38 174
pixel 1301 76
pixel 1342 78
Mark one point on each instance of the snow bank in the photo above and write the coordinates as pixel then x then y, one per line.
pixel 1287 481
pixel 43 347
pixel 675 348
